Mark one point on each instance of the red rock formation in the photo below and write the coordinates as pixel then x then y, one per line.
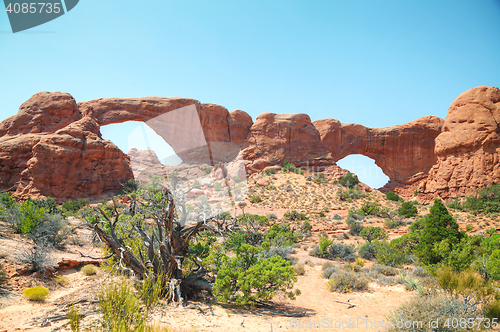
pixel 49 149
pixel 53 146
pixel 276 137
pixel 468 148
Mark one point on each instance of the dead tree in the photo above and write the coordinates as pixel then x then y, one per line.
pixel 165 242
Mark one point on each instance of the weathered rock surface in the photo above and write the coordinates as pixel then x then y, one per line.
pixel 468 148
pixel 53 146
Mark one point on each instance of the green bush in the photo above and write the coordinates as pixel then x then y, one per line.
pixel 31 216
pixel 294 215
pixel 89 270
pixel 373 209
pixel 408 210
pixel 291 168
pixel 324 243
pixel 349 180
pixel 255 199
pixel 390 195
pixel 217 186
pixel 347 281
pixel 245 278
pixel 439 226
pixel 373 233
pixel 387 253
pixel 37 293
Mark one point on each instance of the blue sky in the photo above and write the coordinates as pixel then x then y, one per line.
pixel 376 63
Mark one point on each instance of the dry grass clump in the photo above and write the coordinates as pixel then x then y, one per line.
pixel 37 293
pixel 89 270
pixel 299 269
pixel 347 281
pixel 421 310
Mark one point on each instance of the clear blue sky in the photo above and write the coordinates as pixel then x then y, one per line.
pixel 378 63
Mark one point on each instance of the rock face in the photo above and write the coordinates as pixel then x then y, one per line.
pixel 49 148
pixel 53 146
pixel 468 148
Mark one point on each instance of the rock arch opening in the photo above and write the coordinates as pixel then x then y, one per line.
pixel 137 135
pixel 366 170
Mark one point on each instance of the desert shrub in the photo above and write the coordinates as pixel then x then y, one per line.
pixel 31 216
pixel 355 227
pixel 294 215
pixel 283 252
pixel 89 270
pixel 373 209
pixel 255 199
pixel 390 195
pixel 373 233
pixel 408 210
pixel 388 271
pixel 367 251
pixel 327 264
pixel 37 293
pixel 324 243
pixel 61 281
pixel 341 251
pixel 282 235
pixel 291 168
pixel 299 269
pixel 306 227
pixel 245 279
pixel 387 253
pixel 74 318
pixel 73 206
pixel 394 223
pixel 349 180
pixel 272 216
pixel 49 204
pixel 315 251
pixel 337 217
pixel 37 256
pixel 326 273
pixel 421 310
pixel 346 281
pixel 6 199
pixel 120 307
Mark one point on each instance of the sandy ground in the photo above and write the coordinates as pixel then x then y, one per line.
pixel 316 304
